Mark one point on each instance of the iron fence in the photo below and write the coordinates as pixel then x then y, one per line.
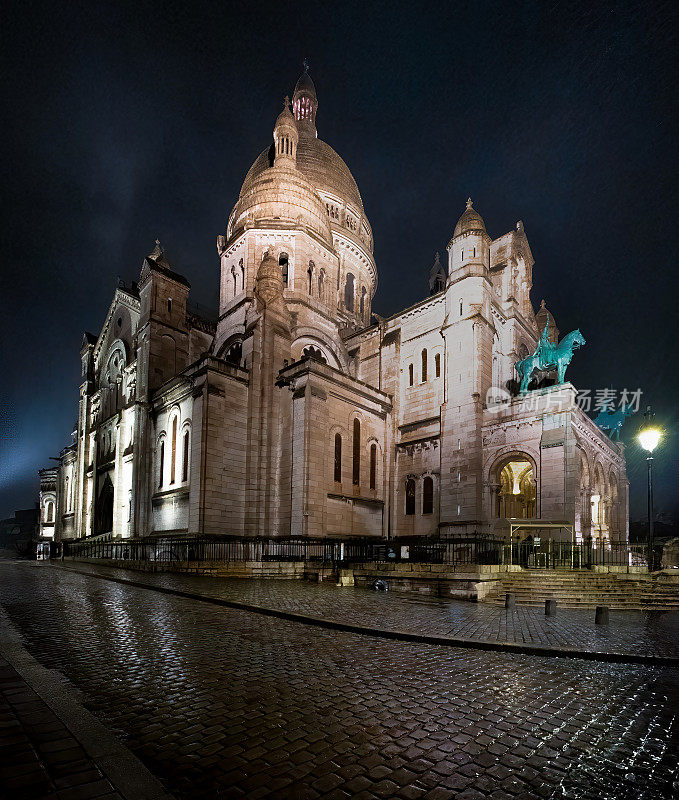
pixel 459 551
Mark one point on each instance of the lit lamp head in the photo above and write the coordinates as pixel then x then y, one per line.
pixel 649 438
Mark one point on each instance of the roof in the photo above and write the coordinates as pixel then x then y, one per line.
pixel 305 84
pixel 320 165
pixel 157 262
pixel 470 220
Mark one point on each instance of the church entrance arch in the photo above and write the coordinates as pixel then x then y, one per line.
pixel 103 515
pixel 516 488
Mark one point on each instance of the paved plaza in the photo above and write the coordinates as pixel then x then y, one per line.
pixel 226 703
pixel 630 632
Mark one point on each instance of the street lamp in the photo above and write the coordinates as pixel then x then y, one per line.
pixel 649 437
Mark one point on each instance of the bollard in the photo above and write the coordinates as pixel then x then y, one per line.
pixel 510 600
pixel 601 615
pixel 550 608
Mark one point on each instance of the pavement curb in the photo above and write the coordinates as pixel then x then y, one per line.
pixel 394 633
pixel 126 773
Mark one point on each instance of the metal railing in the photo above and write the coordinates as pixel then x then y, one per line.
pixel 459 551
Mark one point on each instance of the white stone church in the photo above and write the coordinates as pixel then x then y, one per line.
pixel 300 413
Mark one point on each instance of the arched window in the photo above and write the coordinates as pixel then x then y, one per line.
pixel 161 468
pixel 363 297
pixel 242 274
pixel 338 458
pixel 410 497
pixel 428 495
pixel 349 292
pixel 283 264
pixel 411 372
pixel 66 495
pixel 373 465
pixel 173 451
pixel 321 278
pixel 169 305
pixel 424 366
pixel 185 458
pixel 310 280
pixel 437 365
pixel 234 354
pixel 356 474
pixel 460 307
pixel 49 512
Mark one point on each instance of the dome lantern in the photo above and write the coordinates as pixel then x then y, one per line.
pixel 305 103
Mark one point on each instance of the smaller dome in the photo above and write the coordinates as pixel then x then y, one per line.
pixel 285 118
pixel 470 220
pixel 545 319
pixel 305 85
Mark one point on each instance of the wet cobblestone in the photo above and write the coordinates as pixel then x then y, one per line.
pixel 633 632
pixel 224 703
pixel 40 757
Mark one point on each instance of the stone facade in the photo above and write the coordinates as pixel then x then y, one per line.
pixel 294 413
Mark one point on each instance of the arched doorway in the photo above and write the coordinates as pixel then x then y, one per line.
pixel 103 515
pixel 517 491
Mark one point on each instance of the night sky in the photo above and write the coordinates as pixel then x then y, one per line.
pixel 125 123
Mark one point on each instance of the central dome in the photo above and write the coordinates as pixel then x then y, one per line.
pixel 320 165
pixel 315 162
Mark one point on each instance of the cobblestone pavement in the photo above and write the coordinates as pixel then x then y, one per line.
pixel 224 703
pixel 40 758
pixel 632 632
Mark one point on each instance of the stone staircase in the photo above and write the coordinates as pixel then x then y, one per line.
pixel 584 589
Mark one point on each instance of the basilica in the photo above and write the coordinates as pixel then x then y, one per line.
pixel 296 411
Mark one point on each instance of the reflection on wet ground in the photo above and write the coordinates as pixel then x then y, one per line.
pixel 224 703
pixel 637 632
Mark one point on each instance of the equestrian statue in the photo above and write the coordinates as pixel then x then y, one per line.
pixel 549 356
pixel 612 421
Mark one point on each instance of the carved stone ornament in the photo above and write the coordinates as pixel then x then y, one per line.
pixel 269 285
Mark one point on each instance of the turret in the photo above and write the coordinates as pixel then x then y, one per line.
pixel 437 276
pixel 285 137
pixel 469 249
pixel 544 319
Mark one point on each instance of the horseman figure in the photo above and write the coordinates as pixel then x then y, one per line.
pixel 548 356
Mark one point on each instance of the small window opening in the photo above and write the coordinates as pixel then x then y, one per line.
pixel 356 471
pixel 373 465
pixel 410 497
pixel 411 372
pixel 424 366
pixel 428 495
pixel 338 458
pixel 185 460
pixel 169 305
pixel 283 264
pixel 437 365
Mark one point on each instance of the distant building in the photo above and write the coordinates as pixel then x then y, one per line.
pixel 19 531
pixel 293 413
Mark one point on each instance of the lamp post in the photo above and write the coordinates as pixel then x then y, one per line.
pixel 648 438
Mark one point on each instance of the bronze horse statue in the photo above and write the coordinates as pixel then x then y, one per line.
pixel 612 421
pixel 549 356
